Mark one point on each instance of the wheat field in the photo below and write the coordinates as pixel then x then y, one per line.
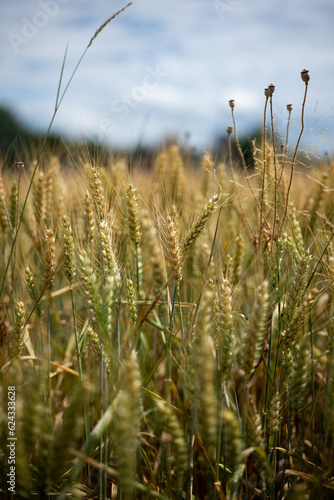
pixel 168 333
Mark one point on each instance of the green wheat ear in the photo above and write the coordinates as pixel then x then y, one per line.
pixel 95 346
pixel 200 223
pixel 222 325
pixel 127 422
pixel 275 417
pixel 233 447
pixel 18 330
pixel 253 336
pixel 32 291
pixel 130 295
pixel 13 204
pixel 300 374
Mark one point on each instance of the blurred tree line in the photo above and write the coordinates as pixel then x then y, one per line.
pixel 18 143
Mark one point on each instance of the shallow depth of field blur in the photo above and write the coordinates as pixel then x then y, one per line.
pixel 168 331
pixel 166 315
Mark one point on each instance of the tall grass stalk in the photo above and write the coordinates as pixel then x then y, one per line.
pixel 59 99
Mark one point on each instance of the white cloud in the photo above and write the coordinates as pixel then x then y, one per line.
pixel 210 58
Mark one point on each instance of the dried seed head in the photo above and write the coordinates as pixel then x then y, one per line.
pixel 289 107
pixel 231 103
pixel 271 89
pixel 229 130
pixel 268 92
pixel 305 75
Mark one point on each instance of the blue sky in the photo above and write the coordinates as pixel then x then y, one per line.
pixel 169 67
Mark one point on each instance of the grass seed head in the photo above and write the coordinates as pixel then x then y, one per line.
pixel 254 335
